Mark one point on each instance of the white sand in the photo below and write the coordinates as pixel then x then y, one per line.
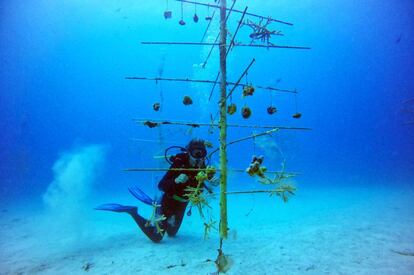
pixel 324 231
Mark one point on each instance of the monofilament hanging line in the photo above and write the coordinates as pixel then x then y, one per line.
pixel 238 82
pixel 215 40
pixel 228 50
pixel 237 11
pixel 254 145
pixel 269 132
pixel 241 77
pixel 235 33
pixel 296 104
pixel 209 23
pixel 182 11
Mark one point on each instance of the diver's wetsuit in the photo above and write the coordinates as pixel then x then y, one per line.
pixel 171 208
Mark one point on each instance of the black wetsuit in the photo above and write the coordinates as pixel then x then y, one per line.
pixel 170 206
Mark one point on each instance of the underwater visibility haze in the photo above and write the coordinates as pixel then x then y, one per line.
pixel 77 123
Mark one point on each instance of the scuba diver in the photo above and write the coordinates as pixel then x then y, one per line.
pixel 172 204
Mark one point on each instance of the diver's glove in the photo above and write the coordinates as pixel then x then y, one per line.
pixel 182 178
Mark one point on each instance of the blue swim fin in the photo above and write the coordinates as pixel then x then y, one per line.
pixel 117 208
pixel 140 195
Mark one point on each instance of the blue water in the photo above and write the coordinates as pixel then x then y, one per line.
pixel 62 87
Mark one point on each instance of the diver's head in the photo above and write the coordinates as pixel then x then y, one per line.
pixel 197 152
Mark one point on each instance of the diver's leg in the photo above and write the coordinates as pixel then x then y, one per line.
pixel 173 223
pixel 150 231
pixel 173 210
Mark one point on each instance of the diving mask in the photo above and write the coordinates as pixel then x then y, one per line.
pixel 198 153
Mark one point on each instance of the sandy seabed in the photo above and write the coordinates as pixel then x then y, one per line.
pixel 344 230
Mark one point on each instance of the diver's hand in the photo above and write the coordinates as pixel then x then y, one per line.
pixel 182 178
pixel 214 181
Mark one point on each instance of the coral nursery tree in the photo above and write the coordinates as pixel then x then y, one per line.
pixel 260 38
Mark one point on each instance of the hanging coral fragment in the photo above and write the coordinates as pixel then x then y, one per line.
pixel 246 112
pixel 248 90
pixel 271 110
pixel 195 17
pixel 151 124
pixel 231 109
pixel 187 100
pixel 167 13
pixel 297 115
pixel 255 168
pixel 182 22
pixel 156 106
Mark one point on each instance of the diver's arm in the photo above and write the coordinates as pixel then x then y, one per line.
pixel 167 183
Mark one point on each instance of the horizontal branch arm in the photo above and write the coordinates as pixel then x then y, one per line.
pixel 194 124
pixel 233 45
pixel 198 169
pixel 156 79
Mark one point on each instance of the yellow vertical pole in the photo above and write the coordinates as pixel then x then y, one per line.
pixel 223 122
